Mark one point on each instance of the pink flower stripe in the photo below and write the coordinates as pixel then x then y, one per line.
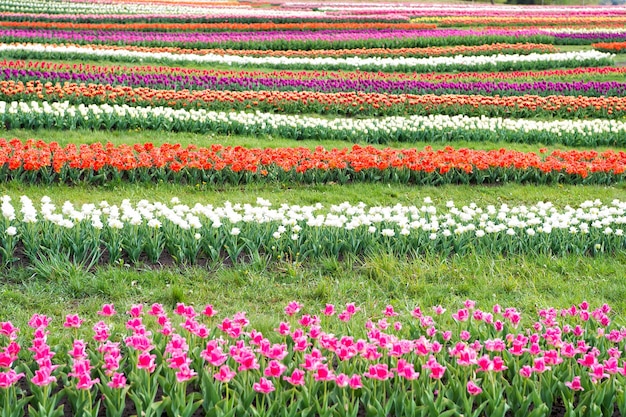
pixel 486 350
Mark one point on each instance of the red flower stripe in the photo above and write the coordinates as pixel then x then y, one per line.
pixel 37 155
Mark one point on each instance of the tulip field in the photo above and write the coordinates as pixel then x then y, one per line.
pixel 322 209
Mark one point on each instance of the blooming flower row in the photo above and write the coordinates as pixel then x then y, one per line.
pixel 96 163
pixel 77 7
pixel 242 232
pixel 573 74
pixel 241 82
pixel 320 39
pixel 612 47
pixel 488 362
pixel 534 21
pixel 442 128
pixel 459 62
pixel 348 103
pixel 218 26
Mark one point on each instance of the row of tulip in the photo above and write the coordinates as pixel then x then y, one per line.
pixel 135 8
pixel 412 129
pixel 221 15
pixel 528 20
pixel 487 49
pixel 294 102
pixel 218 26
pixel 462 9
pixel 97 163
pixel 322 39
pixel 240 82
pixel 573 74
pixel 234 233
pixel 405 364
pixel 516 61
pixel 612 47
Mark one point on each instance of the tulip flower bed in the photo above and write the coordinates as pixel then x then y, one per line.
pixel 613 47
pixel 221 26
pixel 154 232
pixel 488 49
pixel 564 75
pixel 534 21
pixel 325 85
pixel 433 128
pixel 295 102
pixel 321 39
pixel 147 221
pixel 532 61
pixel 37 161
pixel 423 363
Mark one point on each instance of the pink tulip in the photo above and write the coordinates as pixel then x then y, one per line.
pixel 247 361
pixel 389 311
pixel 107 310
pixel 136 310
pixel 43 377
pixel 473 389
pixel 264 386
pixel 78 350
pixel 436 370
pixel 185 311
pixel 146 361
pixel 597 373
pixel 156 310
pixel 39 321
pixel 101 330
pixel 7 329
pixel 329 310
pixel 85 382
pixel 274 369
pixel 6 360
pixel 342 380
pixel 296 378
pixel 526 371
pixel 209 311
pixel 484 363
pixel 306 320
pixel 118 380
pixel 439 310
pixel 380 372
pixel 498 364
pixel 575 384
pixel 7 379
pixel 322 373
pixel 283 328
pixel 292 308
pixel 72 321
pixel 225 374
pixel 185 373
pixel 355 381
pixel 461 315
pixel 352 309
pixel 344 316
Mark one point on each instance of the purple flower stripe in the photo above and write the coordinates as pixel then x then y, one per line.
pixel 178 82
pixel 324 35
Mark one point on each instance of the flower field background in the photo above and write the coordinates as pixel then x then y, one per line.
pixel 312 209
